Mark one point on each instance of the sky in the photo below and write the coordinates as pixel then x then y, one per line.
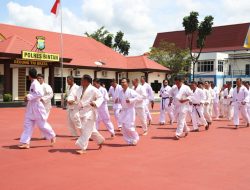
pixel 140 20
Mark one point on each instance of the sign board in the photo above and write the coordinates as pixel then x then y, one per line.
pixel 41 56
pixel 30 62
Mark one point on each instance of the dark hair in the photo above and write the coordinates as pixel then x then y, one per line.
pixel 113 80
pixel 200 83
pixel 228 82
pixel 70 77
pixel 194 82
pixel 246 82
pixel 87 78
pixel 127 80
pixel 239 79
pixel 33 73
pixel 178 78
pixel 40 75
pixel 97 81
pixel 164 80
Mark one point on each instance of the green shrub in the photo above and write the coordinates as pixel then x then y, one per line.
pixel 7 97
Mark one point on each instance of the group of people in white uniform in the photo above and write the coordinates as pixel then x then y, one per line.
pixel 87 107
pixel 202 102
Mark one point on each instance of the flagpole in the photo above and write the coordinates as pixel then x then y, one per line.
pixel 61 59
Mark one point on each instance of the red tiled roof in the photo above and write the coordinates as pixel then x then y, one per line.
pixel 141 62
pixel 223 38
pixel 14 41
pixel 83 51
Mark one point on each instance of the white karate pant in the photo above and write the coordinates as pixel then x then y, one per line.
pixel 141 114
pixel 181 123
pixel 29 125
pixel 239 108
pixel 47 111
pixel 211 108
pixel 196 119
pixel 207 113
pixel 103 115
pixel 129 133
pixel 149 117
pixel 228 111
pixel 216 110
pixel 165 108
pixel 248 110
pixel 74 121
pixel 221 109
pixel 189 113
pixel 88 130
pixel 116 114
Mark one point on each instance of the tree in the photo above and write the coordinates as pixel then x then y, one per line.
pixel 176 59
pixel 117 43
pixel 196 31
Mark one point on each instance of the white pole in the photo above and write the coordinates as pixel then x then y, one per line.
pixel 61 57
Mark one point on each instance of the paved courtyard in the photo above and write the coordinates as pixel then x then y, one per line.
pixel 216 159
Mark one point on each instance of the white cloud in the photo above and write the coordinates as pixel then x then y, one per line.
pixel 140 20
pixel 30 16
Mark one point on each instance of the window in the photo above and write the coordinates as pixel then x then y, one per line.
pixel 58 84
pixel 229 70
pixel 205 66
pixel 220 66
pixel 247 69
pixel 77 81
pixel 156 86
pixel 1 86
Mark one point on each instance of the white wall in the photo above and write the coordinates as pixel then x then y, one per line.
pixel 133 75
pixel 110 74
pixel 156 76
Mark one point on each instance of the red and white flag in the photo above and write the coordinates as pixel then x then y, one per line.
pixel 55 8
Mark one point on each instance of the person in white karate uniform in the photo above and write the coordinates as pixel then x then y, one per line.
pixel 228 108
pixel 114 92
pixel 221 96
pixel 35 113
pixel 207 102
pixel 216 92
pixel 150 98
pixel 246 84
pixel 73 117
pixel 140 105
pixel 212 95
pixel 47 93
pixel 128 98
pixel 239 102
pixel 88 99
pixel 103 112
pixel 165 107
pixel 181 94
pixel 197 102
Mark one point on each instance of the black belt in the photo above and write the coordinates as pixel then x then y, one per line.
pixel 163 102
pixel 197 110
pixel 165 98
pixel 196 104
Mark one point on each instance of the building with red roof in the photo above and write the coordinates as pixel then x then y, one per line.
pixel 224 57
pixel 81 55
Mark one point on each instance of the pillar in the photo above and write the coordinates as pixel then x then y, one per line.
pixel 51 75
pixel 7 78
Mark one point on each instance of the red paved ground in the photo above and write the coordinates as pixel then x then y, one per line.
pixel 216 159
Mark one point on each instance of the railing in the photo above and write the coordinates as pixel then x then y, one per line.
pixel 237 72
